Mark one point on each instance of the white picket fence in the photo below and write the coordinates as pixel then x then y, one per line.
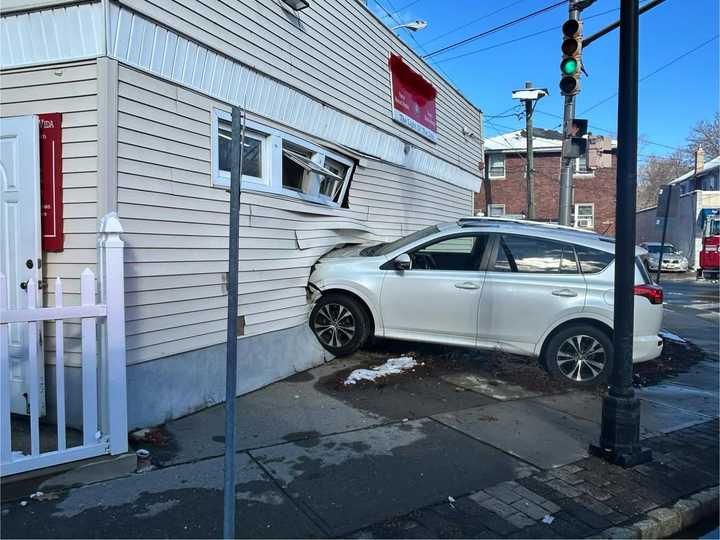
pixel 104 393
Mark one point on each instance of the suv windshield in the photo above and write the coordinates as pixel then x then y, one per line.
pixel 389 247
pixel 669 248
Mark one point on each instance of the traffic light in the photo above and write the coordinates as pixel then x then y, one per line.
pixel 570 65
pixel 576 143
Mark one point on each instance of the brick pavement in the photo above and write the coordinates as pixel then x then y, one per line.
pixel 583 498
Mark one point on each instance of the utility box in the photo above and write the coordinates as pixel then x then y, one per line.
pixel 599 152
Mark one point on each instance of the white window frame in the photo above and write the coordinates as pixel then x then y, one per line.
pixel 496 176
pixel 272 161
pixel 591 217
pixel 586 172
pixel 500 206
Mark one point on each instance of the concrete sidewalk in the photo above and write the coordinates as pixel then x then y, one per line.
pixel 437 452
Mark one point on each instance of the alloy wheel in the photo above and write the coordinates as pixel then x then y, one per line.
pixel 334 325
pixel 581 358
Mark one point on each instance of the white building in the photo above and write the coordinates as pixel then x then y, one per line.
pixel 144 90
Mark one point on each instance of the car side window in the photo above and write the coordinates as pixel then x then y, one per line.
pixel 592 260
pixel 457 253
pixel 534 255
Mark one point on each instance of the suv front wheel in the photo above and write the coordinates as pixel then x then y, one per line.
pixel 340 323
pixel 581 354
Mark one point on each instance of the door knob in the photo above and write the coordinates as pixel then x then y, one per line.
pixel 564 292
pixel 23 285
pixel 467 285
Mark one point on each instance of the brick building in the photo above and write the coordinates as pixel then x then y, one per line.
pixel 504 190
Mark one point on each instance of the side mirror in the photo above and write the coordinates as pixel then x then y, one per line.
pixel 403 262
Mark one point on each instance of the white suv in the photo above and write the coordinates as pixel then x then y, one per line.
pixel 516 286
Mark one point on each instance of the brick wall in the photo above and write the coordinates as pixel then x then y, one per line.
pixel 597 188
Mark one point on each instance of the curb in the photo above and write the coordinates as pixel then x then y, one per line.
pixel 667 521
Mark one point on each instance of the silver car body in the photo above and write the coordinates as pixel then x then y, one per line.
pixel 510 311
pixel 673 260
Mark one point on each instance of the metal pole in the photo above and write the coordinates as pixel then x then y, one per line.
pixel 566 164
pixel 620 429
pixel 236 154
pixel 529 160
pixel 662 241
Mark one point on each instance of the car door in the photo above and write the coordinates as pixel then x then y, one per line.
pixel 531 283
pixel 436 300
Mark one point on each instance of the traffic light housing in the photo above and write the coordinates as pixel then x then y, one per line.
pixel 576 143
pixel 571 65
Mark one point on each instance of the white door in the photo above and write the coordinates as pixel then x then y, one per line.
pixel 531 284
pixel 20 257
pixel 437 299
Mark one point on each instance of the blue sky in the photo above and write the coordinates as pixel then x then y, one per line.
pixel 671 101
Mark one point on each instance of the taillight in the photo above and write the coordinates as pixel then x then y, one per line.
pixel 654 293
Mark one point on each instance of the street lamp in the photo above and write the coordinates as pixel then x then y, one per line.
pixel 413 26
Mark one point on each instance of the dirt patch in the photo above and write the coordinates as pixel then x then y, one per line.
pixel 676 358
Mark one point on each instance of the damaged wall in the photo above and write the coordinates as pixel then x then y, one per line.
pixel 175 225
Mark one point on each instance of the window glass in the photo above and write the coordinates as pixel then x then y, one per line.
pixel 293 173
pixel 581 164
pixel 534 255
pixel 497 165
pixel 458 253
pixel 252 152
pixel 330 186
pixel 389 247
pixel 592 260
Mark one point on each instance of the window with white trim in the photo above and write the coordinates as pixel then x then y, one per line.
pixel 496 210
pixel 585 216
pixel 496 165
pixel 277 162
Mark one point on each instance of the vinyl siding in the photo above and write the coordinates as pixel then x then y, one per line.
pixel 176 232
pixel 318 53
pixel 69 89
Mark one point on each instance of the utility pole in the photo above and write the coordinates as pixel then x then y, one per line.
pixel 529 160
pixel 566 163
pixel 529 96
pixel 620 428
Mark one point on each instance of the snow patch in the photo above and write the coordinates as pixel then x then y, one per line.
pixel 393 366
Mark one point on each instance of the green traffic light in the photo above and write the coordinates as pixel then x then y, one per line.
pixel 569 66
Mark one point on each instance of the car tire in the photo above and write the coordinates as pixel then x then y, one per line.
pixel 340 323
pixel 579 354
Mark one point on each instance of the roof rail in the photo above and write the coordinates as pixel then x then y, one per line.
pixel 483 220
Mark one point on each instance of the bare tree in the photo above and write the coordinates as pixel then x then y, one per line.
pixel 706 135
pixel 655 173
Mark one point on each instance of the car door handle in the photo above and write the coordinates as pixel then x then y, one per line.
pixel 564 292
pixel 467 285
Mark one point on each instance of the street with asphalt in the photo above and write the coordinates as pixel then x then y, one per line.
pixel 467 444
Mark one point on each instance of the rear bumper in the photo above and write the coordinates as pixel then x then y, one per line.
pixel 646 348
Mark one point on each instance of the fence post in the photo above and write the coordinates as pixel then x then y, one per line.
pixel 112 294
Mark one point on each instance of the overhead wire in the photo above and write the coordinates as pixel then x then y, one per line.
pixel 496 29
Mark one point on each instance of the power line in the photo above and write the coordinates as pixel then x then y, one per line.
pixel 420 47
pixel 664 66
pixel 406 6
pixel 520 38
pixel 487 15
pixel 496 28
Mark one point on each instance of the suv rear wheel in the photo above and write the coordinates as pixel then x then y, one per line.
pixel 581 354
pixel 340 323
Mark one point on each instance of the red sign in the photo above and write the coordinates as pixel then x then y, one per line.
pixel 51 203
pixel 413 99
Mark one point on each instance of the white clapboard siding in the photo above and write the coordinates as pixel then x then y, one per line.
pixel 175 226
pixel 333 68
pixel 69 89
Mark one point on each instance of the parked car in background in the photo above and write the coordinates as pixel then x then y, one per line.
pixel 520 287
pixel 672 261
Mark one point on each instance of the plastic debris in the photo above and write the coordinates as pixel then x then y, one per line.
pixel 36 495
pixel 451 499
pixel 23 503
pixel 548 519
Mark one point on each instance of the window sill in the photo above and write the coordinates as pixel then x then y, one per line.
pixel 250 186
pixel 496 177
pixel 584 174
